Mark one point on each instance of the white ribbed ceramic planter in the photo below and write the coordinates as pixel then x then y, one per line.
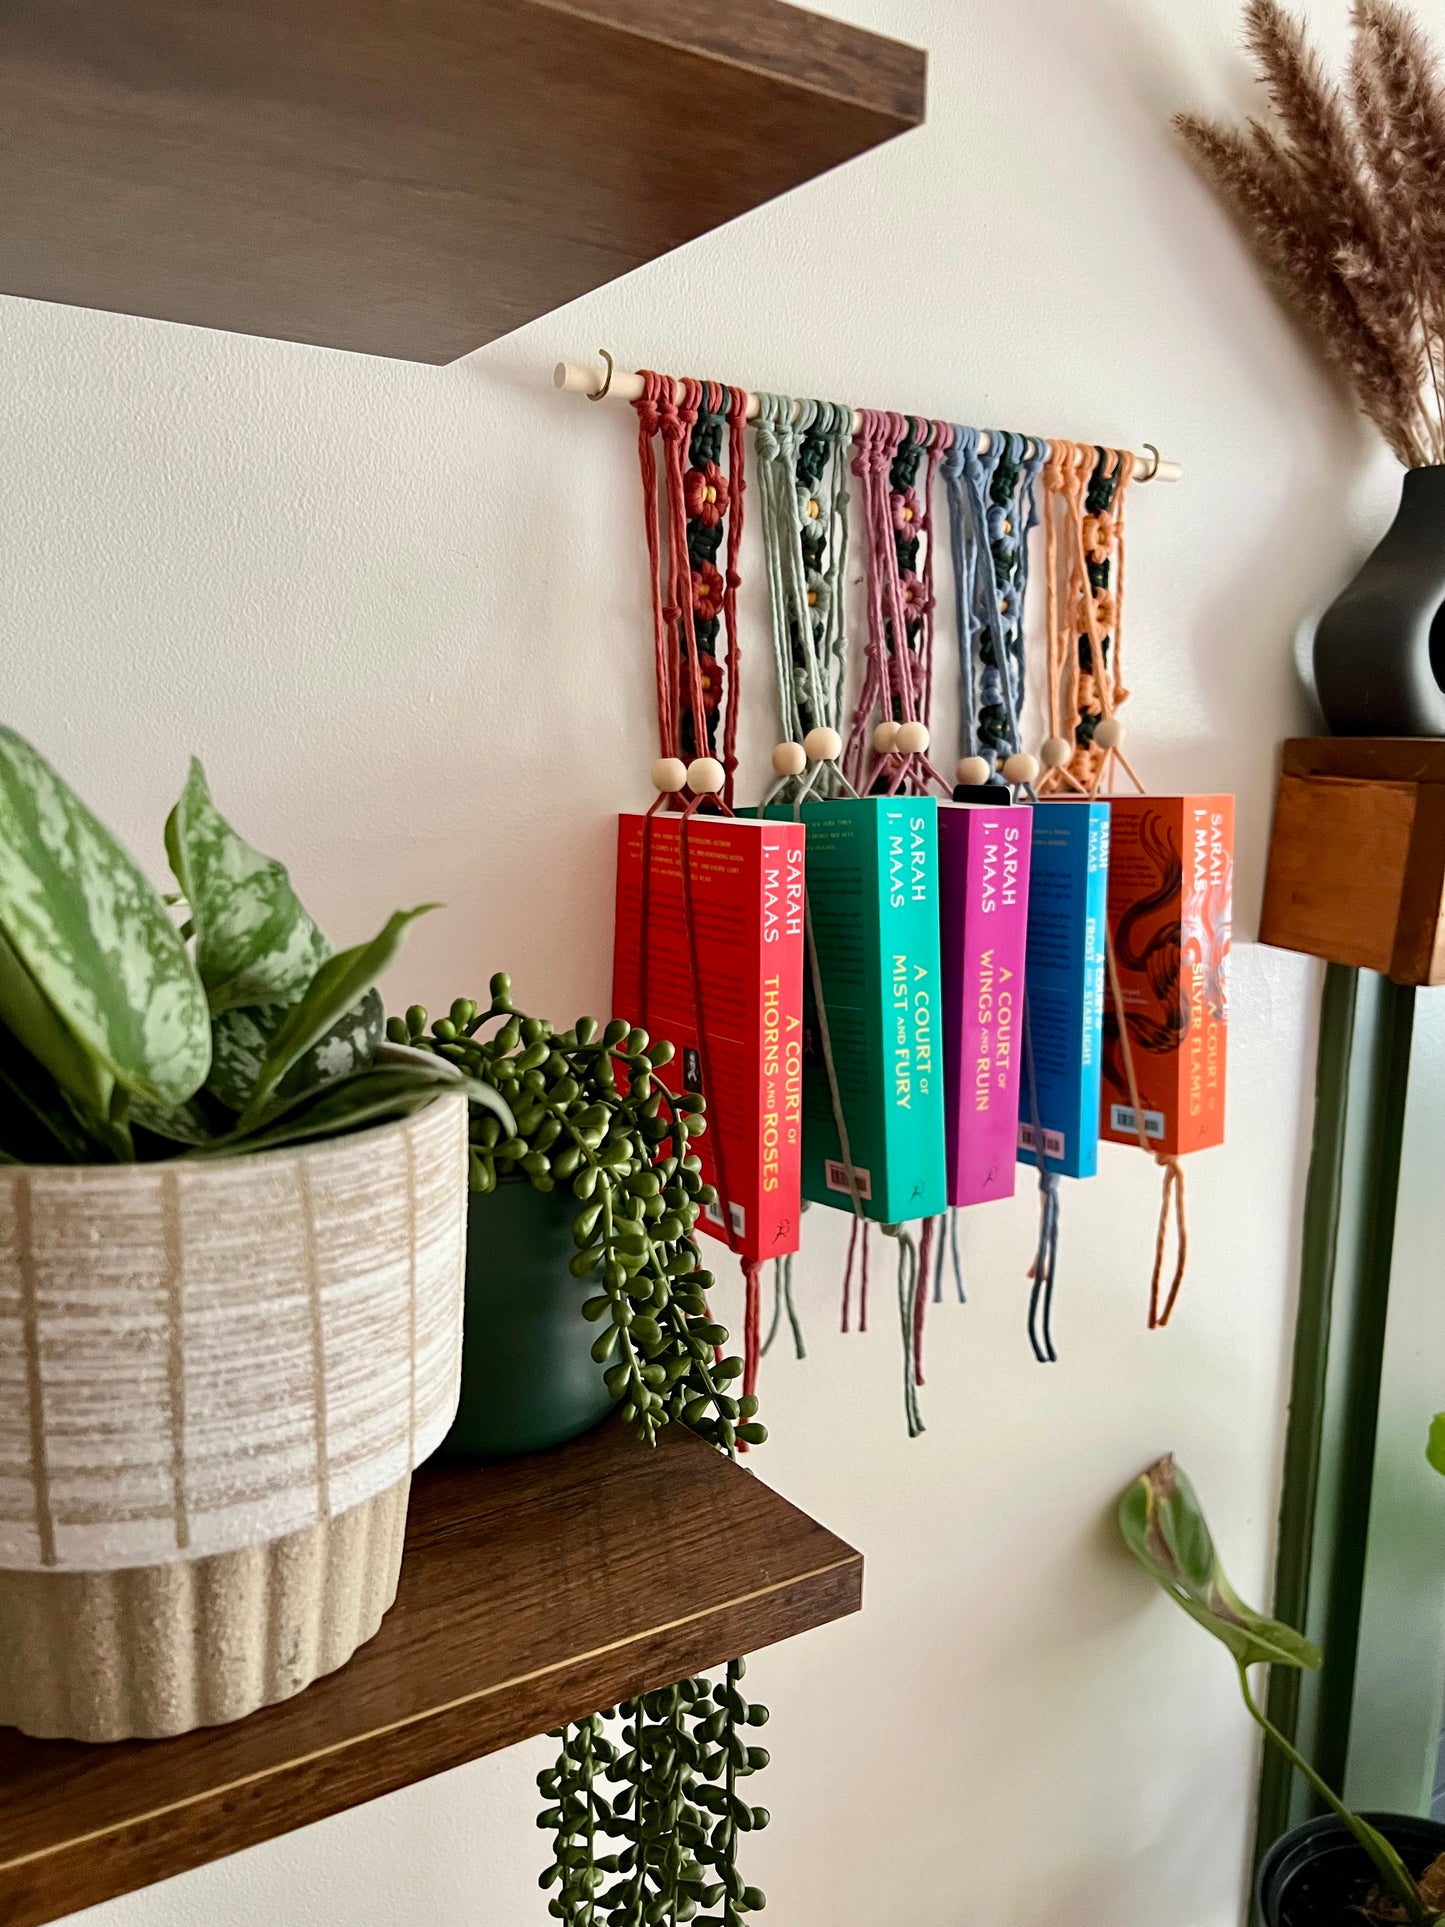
pixel 215 1380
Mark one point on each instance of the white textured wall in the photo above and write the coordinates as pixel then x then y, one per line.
pixel 401 613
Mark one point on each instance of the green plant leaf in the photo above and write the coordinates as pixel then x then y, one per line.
pixel 338 985
pixel 38 1123
pixel 1435 1450
pixel 180 1124
pixel 27 1016
pixel 242 1038
pixel 1164 1527
pixel 95 940
pixel 368 1096
pixel 255 944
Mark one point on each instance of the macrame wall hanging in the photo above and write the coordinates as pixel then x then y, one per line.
pixel 1165 1012
pixel 896 464
pixel 690 438
pixel 990 512
pixel 984 855
pixel 694 593
pixel 864 1111
pixel 709 924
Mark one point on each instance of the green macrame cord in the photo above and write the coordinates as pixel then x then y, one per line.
pixel 802 483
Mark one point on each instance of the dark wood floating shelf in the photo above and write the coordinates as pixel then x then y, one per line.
pixel 1357 855
pixel 532 1593
pixel 407 179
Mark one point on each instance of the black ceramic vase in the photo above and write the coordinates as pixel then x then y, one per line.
pixel 1318 1875
pixel 1380 647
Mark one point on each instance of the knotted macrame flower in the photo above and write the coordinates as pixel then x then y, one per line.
pixel 819 593
pixel 710 675
pixel 916 599
pixel 707 592
pixel 705 494
pixel 907 512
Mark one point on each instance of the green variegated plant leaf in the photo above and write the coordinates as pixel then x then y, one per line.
pixel 336 988
pixel 243 1037
pixel 96 943
pixel 380 1091
pixel 1436 1447
pixel 255 945
pixel 1164 1527
pixel 180 1124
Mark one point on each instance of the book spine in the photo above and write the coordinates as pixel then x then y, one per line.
pixel 1065 976
pixel 781 1034
pixel 1091 1036
pixel 984 926
pixel 1206 925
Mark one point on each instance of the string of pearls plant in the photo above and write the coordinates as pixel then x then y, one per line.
pixel 592 1115
pixel 676 1823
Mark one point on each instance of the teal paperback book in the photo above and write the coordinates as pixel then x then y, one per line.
pixel 871 868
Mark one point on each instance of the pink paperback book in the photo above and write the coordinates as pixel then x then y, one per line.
pixel 983 867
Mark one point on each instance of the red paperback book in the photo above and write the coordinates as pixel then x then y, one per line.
pixel 714 963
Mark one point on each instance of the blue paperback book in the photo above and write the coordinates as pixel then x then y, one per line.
pixel 1064 983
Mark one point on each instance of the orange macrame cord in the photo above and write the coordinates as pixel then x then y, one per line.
pixel 1076 609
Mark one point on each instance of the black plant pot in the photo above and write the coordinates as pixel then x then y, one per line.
pixel 1380 647
pixel 1318 1874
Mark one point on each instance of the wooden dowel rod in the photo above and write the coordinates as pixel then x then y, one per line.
pixel 574 379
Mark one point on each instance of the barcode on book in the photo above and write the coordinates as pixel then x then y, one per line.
pixel 713 1212
pixel 835 1176
pixel 1121 1118
pixel 1053 1141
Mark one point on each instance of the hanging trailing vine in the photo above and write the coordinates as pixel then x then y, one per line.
pixel 592 1114
pixel 676 1822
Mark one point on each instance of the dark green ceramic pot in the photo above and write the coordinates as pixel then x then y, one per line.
pixel 528 1376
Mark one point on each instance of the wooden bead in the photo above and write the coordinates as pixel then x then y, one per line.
pixel 705 776
pixel 823 745
pixel 912 739
pixel 885 738
pixel 1108 732
pixel 973 771
pixel 1054 752
pixel 1021 767
pixel 789 759
pixel 669 773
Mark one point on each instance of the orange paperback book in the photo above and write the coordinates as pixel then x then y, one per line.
pixel 714 963
pixel 1171 871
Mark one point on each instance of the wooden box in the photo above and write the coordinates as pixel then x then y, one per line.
pixel 1357 855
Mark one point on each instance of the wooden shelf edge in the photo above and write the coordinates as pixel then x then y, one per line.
pixel 438 1686
pixel 850 64
pixel 414 181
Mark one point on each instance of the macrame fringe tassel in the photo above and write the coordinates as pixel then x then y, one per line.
pixel 927 1239
pixel 783 1301
pixel 948 1250
pixel 1168 1162
pixel 1173 1193
pixel 752 1329
pixel 910 1289
pixel 1043 1271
